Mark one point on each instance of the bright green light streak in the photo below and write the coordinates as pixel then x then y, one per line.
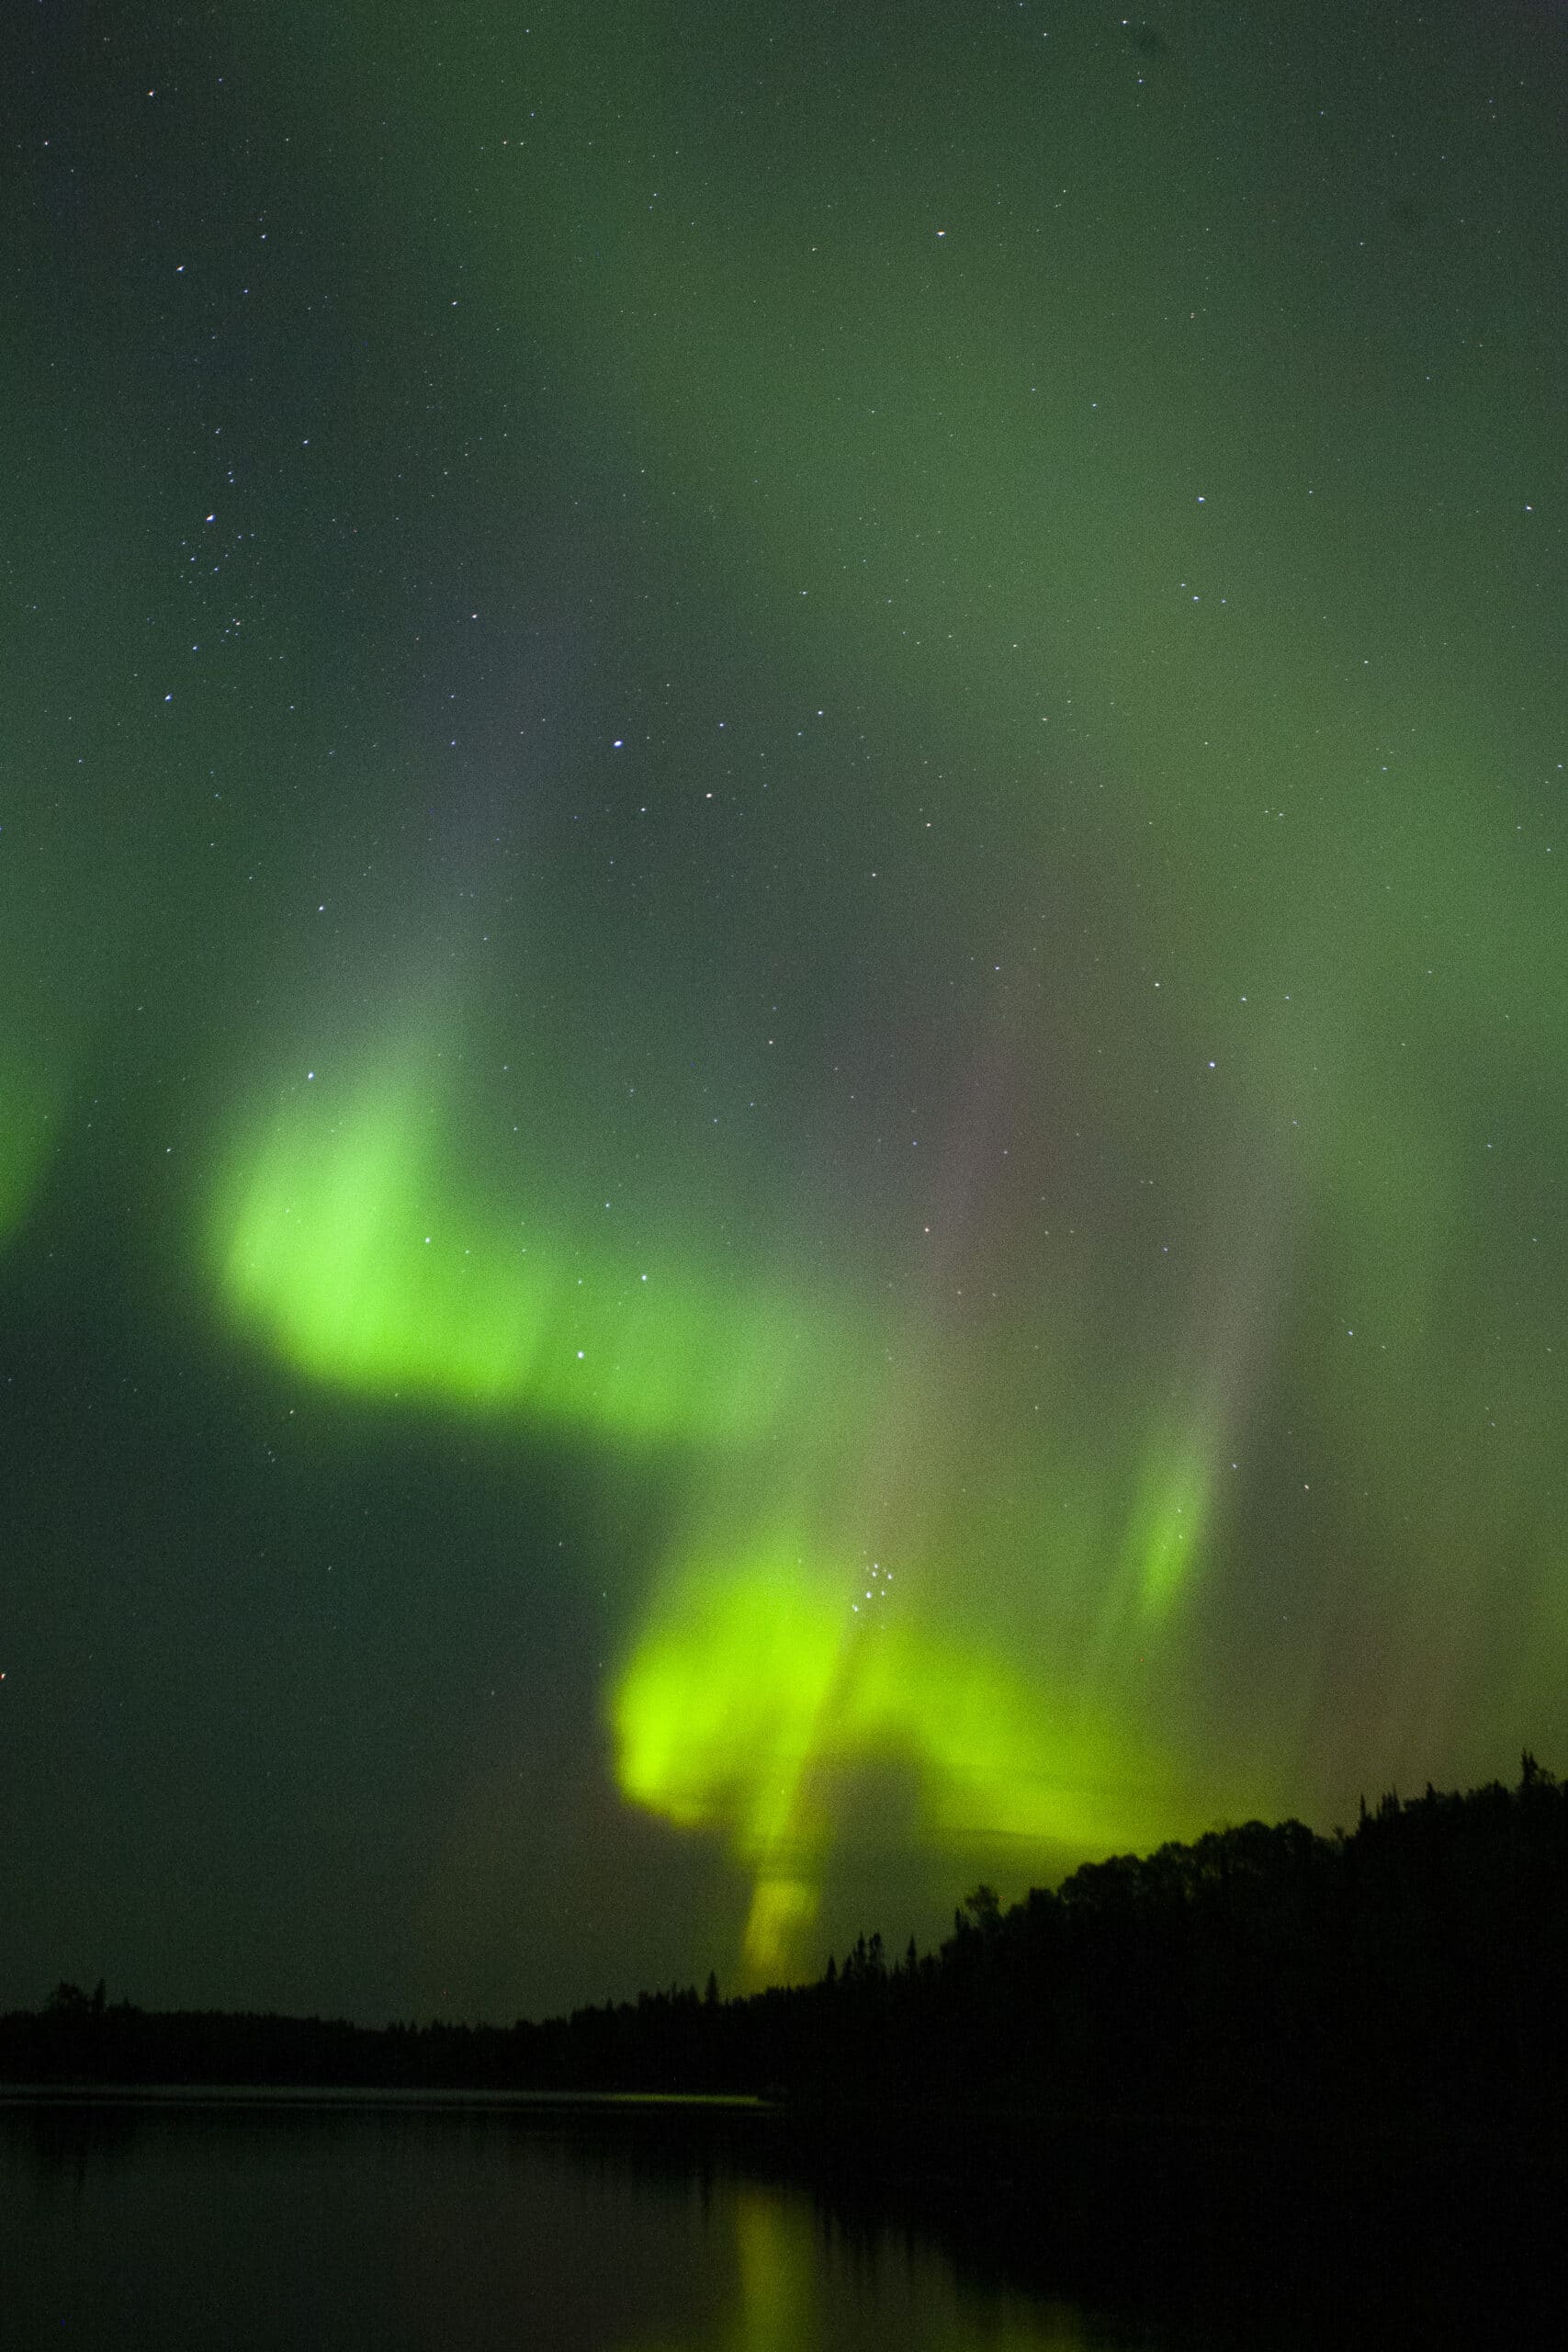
pixel 757 1686
pixel 1164 1542
pixel 349 1238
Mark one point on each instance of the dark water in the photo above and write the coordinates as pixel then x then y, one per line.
pixel 397 2225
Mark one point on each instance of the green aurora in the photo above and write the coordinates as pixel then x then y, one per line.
pixel 788 784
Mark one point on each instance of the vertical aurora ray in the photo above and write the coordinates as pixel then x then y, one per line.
pixel 764 1684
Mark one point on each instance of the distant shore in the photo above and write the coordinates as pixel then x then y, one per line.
pixel 1406 1981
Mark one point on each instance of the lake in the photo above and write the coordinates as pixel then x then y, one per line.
pixel 400 2222
pixel 396 2223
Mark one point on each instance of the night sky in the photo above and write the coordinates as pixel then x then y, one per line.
pixel 784 965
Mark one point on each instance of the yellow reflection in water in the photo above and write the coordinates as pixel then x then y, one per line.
pixel 800 2286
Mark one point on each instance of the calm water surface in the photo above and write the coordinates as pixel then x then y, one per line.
pixel 395 2225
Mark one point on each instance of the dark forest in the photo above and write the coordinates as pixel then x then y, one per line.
pixel 1411 1973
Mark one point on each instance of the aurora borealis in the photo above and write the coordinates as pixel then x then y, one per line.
pixel 783 923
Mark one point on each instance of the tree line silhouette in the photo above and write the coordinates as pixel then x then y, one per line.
pixel 1412 1973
